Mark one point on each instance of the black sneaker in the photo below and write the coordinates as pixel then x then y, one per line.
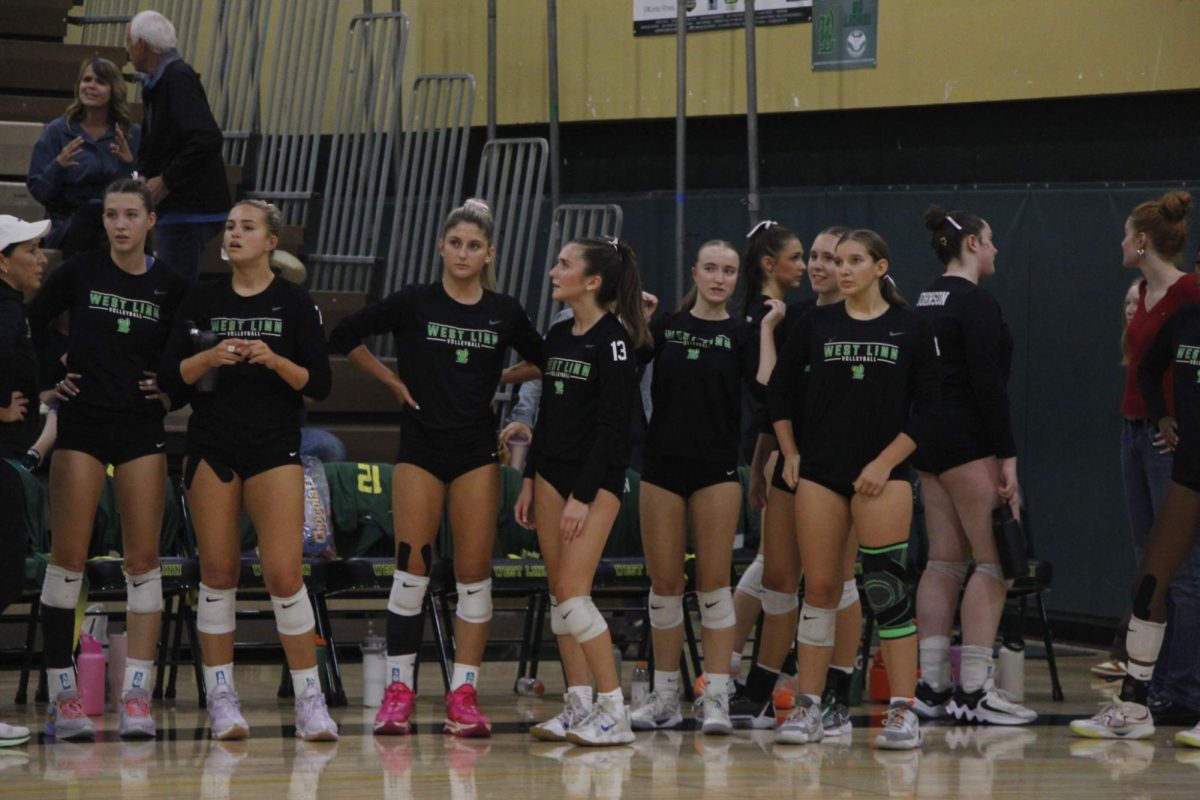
pixel 988 705
pixel 747 713
pixel 1168 712
pixel 930 704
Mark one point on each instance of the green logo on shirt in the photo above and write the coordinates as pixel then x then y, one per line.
pixel 559 386
pixel 461 356
pixel 123 325
pixel 858 372
pixel 693 353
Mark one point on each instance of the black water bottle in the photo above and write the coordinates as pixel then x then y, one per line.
pixel 1010 542
pixel 201 341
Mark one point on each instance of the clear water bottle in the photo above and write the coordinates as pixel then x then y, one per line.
pixel 639 690
pixel 1010 669
pixel 374 655
pixel 530 687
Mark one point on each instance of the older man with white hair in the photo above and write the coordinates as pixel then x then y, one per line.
pixel 180 154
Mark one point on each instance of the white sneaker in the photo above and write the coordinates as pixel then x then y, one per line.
pixel 313 723
pixel 13 735
pixel 714 713
pixel 1191 738
pixel 225 715
pixel 1117 719
pixel 901 729
pixel 803 723
pixel 661 710
pixel 988 704
pixel 556 728
pixel 608 724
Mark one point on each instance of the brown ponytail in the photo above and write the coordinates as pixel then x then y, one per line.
pixel 877 248
pixel 620 284
pixel 1164 221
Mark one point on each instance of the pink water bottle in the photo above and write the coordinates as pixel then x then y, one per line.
pixel 89 670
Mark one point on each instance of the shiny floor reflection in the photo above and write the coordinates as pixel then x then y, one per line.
pixel 1040 761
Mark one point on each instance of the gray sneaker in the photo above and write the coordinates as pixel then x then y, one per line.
pixel 13 735
pixel 136 720
pixel 313 723
pixel 835 719
pixel 225 715
pixel 901 729
pixel 557 727
pixel 66 719
pixel 608 724
pixel 714 713
pixel 803 723
pixel 661 710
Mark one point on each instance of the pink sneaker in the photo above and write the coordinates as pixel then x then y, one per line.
pixel 463 717
pixel 394 711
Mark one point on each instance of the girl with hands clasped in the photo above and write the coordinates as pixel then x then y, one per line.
pixel 92 144
pixel 854 392
pixel 452 337
pixel 968 471
pixel 575 473
pixel 242 452
pixel 121 303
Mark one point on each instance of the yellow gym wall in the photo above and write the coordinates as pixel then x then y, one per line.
pixel 930 51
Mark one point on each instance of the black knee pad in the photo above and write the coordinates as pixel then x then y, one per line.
pixel 885 582
pixel 404 551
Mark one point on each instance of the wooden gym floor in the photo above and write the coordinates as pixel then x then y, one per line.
pixel 1039 761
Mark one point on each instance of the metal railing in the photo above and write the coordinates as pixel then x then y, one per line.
pixel 360 161
pixel 296 80
pixel 234 67
pixel 104 21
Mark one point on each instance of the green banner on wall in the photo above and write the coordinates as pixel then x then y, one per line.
pixel 844 34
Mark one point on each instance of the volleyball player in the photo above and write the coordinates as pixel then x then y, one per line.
pixel 121 303
pixel 690 481
pixel 869 397
pixel 452 337
pixel 242 452
pixel 575 474
pixel 971 468
pixel 774 265
pixel 835 700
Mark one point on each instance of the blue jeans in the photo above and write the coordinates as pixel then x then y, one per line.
pixel 181 246
pixel 1146 473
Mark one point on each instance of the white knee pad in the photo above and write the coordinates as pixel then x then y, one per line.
pixel 557 626
pixel 60 588
pixel 474 602
pixel 293 615
pixel 716 609
pixel 774 602
pixel 751 581
pixel 581 618
pixel 1143 640
pixel 849 595
pixel 666 611
pixel 143 592
pixel 955 569
pixel 995 571
pixel 817 626
pixel 216 611
pixel 407 597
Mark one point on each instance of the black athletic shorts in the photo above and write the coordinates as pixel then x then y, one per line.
pixel 685 476
pixel 563 475
pixel 960 439
pixel 418 449
pixel 844 484
pixel 244 464
pixel 109 437
pixel 777 480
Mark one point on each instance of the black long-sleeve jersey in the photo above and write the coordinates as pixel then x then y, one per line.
pixel 867 382
pixel 251 406
pixel 589 388
pixel 18 373
pixel 699 369
pixel 975 351
pixel 119 326
pixel 449 354
pixel 1176 346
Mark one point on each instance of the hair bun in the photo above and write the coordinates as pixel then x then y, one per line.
pixel 1175 205
pixel 476 205
pixel 935 217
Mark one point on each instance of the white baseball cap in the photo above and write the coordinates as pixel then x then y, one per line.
pixel 13 230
